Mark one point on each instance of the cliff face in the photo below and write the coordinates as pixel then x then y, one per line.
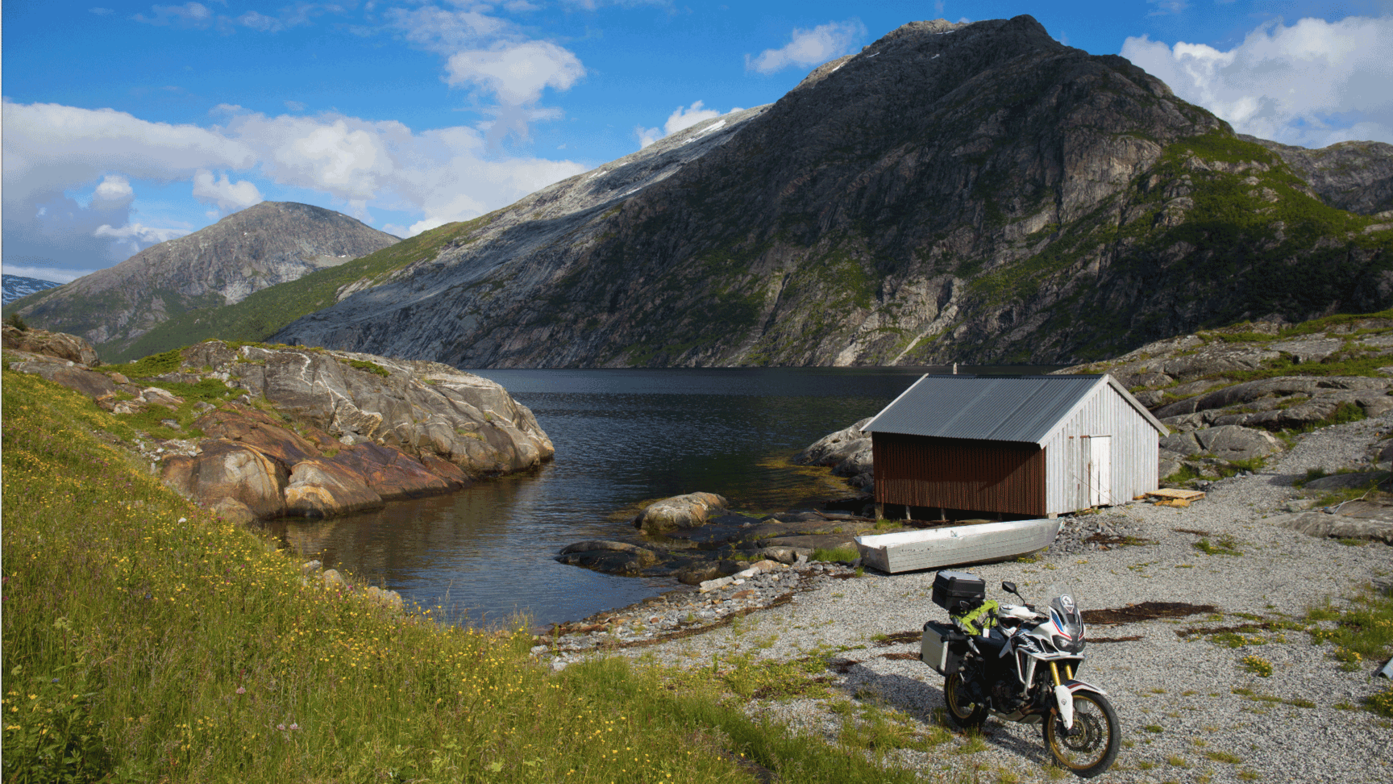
pixel 975 193
pixel 261 246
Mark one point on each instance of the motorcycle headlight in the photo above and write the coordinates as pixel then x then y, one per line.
pixel 1067 645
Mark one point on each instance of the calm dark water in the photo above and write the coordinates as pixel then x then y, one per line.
pixel 622 437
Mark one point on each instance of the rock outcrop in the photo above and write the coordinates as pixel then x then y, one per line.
pixel 1223 392
pixel 308 433
pixel 847 451
pixel 49 344
pixel 710 546
pixel 261 246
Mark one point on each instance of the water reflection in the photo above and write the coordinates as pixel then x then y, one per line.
pixel 622 437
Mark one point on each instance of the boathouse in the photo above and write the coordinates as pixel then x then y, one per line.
pixel 1012 446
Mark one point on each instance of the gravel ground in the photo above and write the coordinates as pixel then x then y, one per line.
pixel 1175 696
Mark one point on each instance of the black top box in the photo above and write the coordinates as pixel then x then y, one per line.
pixel 958 592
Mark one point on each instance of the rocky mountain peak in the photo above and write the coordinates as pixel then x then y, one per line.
pixel 954 192
pixel 264 245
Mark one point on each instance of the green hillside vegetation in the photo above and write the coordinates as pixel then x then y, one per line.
pixel 1266 245
pixel 146 640
pixel 266 312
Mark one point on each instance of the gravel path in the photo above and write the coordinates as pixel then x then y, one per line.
pixel 1181 701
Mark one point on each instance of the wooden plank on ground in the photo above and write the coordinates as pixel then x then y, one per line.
pixel 1175 494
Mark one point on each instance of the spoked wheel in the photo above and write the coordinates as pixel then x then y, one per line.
pixel 961 710
pixel 1091 746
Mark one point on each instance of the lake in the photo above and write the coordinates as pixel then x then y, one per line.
pixel 623 437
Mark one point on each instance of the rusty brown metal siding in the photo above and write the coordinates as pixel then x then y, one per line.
pixel 982 476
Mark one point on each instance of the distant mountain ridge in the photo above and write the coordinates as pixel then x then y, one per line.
pixel 12 287
pixel 976 193
pixel 973 193
pixel 261 246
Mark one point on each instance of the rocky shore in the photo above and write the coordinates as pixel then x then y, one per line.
pixel 1234 566
pixel 257 432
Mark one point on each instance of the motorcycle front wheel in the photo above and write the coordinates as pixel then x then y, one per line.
pixel 1091 746
pixel 963 713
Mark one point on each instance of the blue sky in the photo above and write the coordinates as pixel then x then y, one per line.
pixel 126 124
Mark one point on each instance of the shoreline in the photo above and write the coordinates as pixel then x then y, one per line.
pixel 1185 701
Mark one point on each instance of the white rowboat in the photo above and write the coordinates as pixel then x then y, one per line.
pixel 956 545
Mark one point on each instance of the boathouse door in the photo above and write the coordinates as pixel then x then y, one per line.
pixel 1098 469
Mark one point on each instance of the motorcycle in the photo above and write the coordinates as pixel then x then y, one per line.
pixel 1018 664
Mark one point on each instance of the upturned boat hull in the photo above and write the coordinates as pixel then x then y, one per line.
pixel 956 545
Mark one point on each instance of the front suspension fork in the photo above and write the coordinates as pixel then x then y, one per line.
pixel 1063 698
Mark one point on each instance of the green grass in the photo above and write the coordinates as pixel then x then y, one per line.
pixel 836 554
pixel 1225 545
pixel 371 367
pixel 145 640
pixel 266 312
pixel 1257 666
pixel 1364 627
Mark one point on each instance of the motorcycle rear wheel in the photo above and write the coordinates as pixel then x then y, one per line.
pixel 1091 747
pixel 967 715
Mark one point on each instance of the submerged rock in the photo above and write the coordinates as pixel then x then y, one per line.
pixel 683 511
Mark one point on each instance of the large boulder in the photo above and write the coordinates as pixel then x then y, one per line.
pixel 97 386
pixel 1228 442
pixel 322 488
pixel 683 511
pixel 50 344
pixel 225 469
pixel 848 452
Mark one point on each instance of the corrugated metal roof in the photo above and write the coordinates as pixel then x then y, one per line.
pixel 1004 408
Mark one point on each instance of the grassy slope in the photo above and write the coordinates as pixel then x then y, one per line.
pixel 1252 267
pixel 267 311
pixel 145 640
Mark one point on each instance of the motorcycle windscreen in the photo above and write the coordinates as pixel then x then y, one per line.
pixel 1068 619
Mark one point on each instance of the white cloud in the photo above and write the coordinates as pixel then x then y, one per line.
pixel 809 47
pixel 226 194
pixel 680 120
pixel 47 273
pixel 446 32
pixel 495 58
pixel 199 16
pixel 52 150
pixel 139 234
pixel 114 192
pixel 188 14
pixel 1167 7
pixel 516 72
pixel 261 22
pixel 1313 83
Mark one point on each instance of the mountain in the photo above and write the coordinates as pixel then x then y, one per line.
pixel 259 247
pixel 977 193
pixel 15 286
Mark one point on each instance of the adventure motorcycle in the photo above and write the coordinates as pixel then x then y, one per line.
pixel 1019 664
